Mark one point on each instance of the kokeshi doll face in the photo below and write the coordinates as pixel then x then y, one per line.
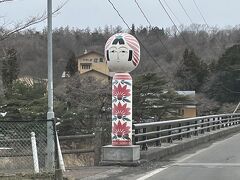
pixel 122 52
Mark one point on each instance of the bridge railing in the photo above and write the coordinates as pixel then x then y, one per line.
pixel 155 133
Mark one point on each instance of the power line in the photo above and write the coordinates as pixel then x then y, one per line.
pixel 142 12
pixel 200 13
pixel 167 50
pixel 151 56
pixel 185 11
pixel 205 21
pixel 119 14
pixel 164 45
pixel 172 12
pixel 178 65
pixel 174 24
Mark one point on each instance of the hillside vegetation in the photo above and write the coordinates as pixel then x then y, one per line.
pixel 200 59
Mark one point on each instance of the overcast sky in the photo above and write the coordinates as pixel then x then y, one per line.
pixel 98 13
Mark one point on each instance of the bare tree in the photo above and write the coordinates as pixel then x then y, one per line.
pixel 4 34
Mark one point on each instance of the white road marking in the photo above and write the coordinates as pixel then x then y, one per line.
pixel 152 173
pixel 209 164
pixel 156 171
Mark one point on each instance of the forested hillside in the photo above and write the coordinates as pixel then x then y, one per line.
pixel 201 59
pixel 208 46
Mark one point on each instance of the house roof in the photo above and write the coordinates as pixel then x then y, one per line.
pixel 90 52
pixel 187 93
pixel 93 70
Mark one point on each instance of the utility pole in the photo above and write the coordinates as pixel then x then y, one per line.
pixel 50 113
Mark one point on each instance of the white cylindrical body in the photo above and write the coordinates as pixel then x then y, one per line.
pixel 122 110
pixel 35 154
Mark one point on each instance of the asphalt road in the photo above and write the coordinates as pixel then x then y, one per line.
pixel 220 161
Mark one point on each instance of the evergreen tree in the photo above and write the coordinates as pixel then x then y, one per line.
pixel 10 70
pixel 151 98
pixel 72 66
pixel 226 86
pixel 133 31
pixel 192 73
pixel 27 102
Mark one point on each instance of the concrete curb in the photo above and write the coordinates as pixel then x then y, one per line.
pixel 156 153
pixel 120 163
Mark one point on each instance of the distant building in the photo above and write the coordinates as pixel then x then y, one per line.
pixel 188 108
pixel 93 64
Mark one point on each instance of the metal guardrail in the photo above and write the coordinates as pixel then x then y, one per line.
pixel 157 132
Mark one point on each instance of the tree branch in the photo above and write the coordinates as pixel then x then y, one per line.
pixel 2 1
pixel 33 20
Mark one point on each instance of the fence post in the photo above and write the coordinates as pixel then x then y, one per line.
pixel 98 145
pixel 158 142
pixel 60 156
pixel 35 154
pixel 58 170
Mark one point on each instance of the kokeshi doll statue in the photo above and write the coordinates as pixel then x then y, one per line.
pixel 122 52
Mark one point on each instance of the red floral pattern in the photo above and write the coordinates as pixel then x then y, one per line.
pixel 120 110
pixel 120 91
pixel 120 129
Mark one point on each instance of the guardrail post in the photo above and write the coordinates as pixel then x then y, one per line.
pixel 231 121
pixel 227 122
pixel 180 130
pixel 214 127
pixel 234 120
pixel 196 128
pixel 208 124
pixel 144 146
pixel 158 142
pixel 202 126
pixel 136 138
pixel 188 129
pixel 170 140
pixel 223 122
pixel 219 123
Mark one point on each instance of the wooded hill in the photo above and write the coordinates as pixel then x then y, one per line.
pixel 201 59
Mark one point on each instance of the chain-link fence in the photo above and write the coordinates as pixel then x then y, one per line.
pixel 16 146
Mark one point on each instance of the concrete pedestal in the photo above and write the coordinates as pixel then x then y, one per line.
pixel 120 155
